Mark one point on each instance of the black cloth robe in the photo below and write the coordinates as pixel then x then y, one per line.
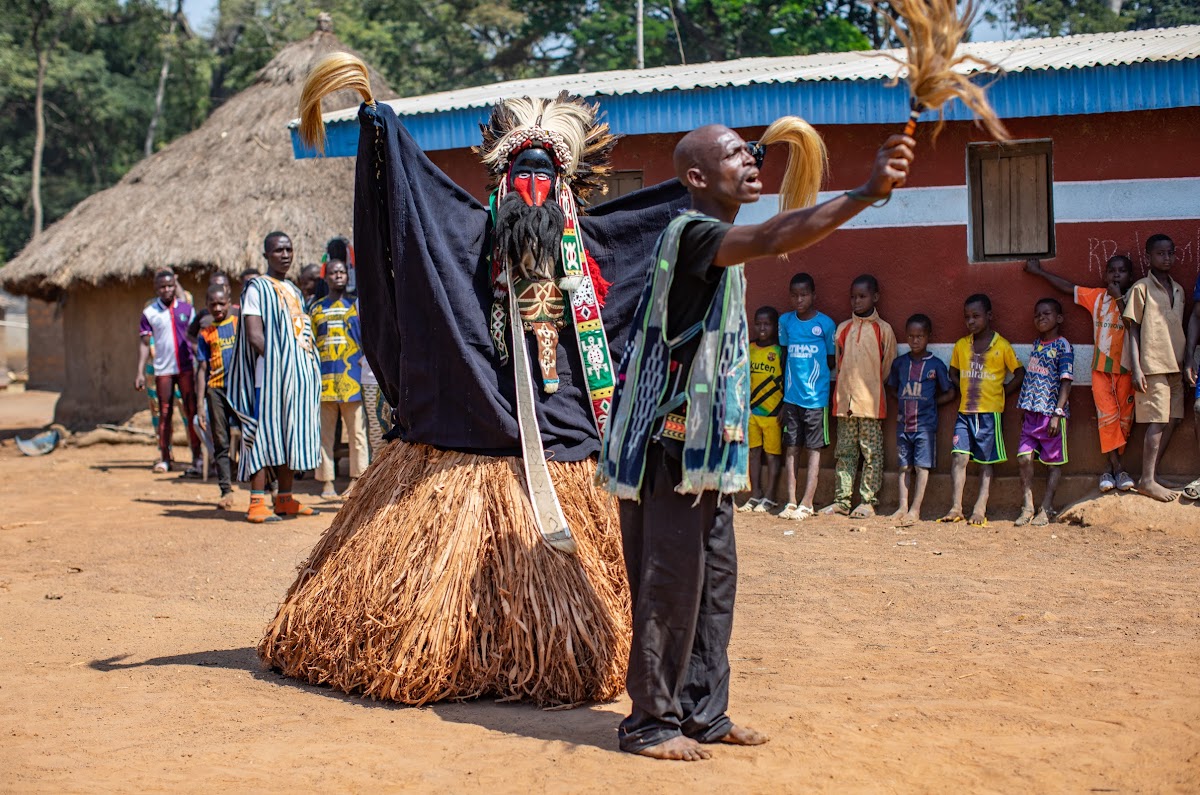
pixel 421 248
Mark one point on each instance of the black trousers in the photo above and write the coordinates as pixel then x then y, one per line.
pixel 682 565
pixel 220 413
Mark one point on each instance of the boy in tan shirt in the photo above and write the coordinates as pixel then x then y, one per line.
pixel 1154 314
pixel 866 346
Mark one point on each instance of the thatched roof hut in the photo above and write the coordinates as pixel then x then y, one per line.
pixel 201 204
pixel 205 201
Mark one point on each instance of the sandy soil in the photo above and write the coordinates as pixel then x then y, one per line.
pixel 935 659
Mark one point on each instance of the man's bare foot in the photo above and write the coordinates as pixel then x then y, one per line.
pixel 1043 518
pixel 954 515
pixel 1024 518
pixel 863 511
pixel 743 735
pixel 978 519
pixel 899 514
pixel 1153 489
pixel 682 749
pixel 912 517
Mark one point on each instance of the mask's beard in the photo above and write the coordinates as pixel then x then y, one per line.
pixel 530 236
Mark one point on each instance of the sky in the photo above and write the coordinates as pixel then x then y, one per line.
pixel 202 14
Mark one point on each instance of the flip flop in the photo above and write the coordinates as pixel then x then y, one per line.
pixel 1024 518
pixel 984 523
pixel 952 519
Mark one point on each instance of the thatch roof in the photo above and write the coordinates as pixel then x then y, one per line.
pixel 205 201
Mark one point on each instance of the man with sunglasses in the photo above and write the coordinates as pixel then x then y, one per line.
pixel 683 375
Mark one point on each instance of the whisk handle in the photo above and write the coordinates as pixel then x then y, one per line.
pixel 913 115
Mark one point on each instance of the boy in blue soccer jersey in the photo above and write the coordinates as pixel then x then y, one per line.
pixel 921 383
pixel 807 338
pixel 1043 398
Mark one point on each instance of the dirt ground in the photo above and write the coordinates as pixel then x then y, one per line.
pixel 932 659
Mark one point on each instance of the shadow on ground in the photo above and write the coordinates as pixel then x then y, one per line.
pixel 591 724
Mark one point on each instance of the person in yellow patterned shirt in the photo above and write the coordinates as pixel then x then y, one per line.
pixel 339 343
pixel 766 395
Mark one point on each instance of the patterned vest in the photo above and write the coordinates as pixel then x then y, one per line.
pixel 716 398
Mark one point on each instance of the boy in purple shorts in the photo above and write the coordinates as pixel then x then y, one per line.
pixel 1043 398
pixel 921 383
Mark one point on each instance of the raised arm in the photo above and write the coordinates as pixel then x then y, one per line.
pixel 797 229
pixel 1034 266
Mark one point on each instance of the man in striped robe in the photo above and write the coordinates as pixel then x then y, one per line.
pixel 276 386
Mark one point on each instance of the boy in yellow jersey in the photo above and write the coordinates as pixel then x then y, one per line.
pixel 980 363
pixel 766 394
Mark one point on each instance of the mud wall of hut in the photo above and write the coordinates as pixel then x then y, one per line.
pixel 47 360
pixel 100 343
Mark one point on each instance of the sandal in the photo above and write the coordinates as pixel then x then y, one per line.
pixel 162 466
pixel 835 509
pixel 193 472
pixel 863 511
pixel 802 512
pixel 746 507
pixel 1192 490
pixel 789 511
pixel 765 506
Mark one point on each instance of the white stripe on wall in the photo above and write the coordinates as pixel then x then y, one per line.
pixel 1074 203
pixel 1083 357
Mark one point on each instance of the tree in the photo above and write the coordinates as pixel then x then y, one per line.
pixel 1041 18
pixel 48 20
pixel 98 92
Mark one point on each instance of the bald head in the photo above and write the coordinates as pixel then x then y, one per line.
pixel 699 148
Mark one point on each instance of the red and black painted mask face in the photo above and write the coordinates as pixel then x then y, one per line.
pixel 532 175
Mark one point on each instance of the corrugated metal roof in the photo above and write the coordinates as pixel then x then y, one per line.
pixel 1100 73
pixel 1068 52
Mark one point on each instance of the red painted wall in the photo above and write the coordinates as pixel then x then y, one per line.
pixel 925 269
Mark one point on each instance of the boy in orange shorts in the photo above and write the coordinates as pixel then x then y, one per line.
pixel 766 395
pixel 1112 381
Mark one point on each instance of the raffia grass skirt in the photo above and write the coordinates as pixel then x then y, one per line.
pixel 433 583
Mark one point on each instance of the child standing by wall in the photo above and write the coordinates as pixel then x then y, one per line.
pixel 766 395
pixel 1154 311
pixel 214 352
pixel 921 384
pixel 1112 383
pixel 866 348
pixel 979 365
pixel 1043 398
pixel 807 336
pixel 336 330
pixel 1192 490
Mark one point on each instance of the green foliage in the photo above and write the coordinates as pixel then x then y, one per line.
pixel 99 96
pixel 1041 18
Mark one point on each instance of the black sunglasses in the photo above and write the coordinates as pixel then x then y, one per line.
pixel 758 151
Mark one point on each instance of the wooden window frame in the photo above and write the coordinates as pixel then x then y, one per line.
pixel 981 151
pixel 615 175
